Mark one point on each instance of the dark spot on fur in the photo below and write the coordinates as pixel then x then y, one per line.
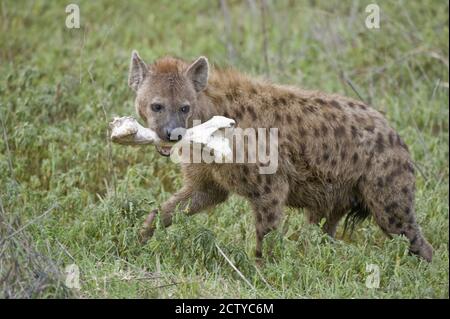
pixel 391 220
pixel 370 128
pixel 407 210
pixel 301 131
pixel 405 190
pixel 354 131
pixel 291 96
pixel 401 143
pixel 326 156
pixel 229 96
pixel 238 114
pixel 316 132
pixel 311 109
pixel 362 106
pixel 396 172
pixel 355 158
pixel 277 117
pixel 343 154
pixel 391 207
pixel 258 179
pixel 282 100
pixel 409 167
pixel 253 90
pixel 324 129
pixel 351 104
pixel 380 182
pixel 399 225
pixel 391 139
pixel 333 162
pixel 265 101
pixel 320 101
pixel 330 116
pixel 386 163
pixel 252 113
pixel 379 143
pixel 245 170
pixel 389 179
pixel 369 161
pixel 339 131
pixel 255 194
pixel 302 149
pixel 289 118
pixel 266 189
pixel 360 119
pixel 335 104
pixel 274 202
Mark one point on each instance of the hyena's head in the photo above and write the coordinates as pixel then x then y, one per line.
pixel 167 93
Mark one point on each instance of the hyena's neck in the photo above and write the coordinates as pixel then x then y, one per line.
pixel 224 91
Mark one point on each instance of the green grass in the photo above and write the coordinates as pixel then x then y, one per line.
pixel 59 88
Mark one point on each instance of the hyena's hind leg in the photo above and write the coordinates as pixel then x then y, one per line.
pixel 331 221
pixel 268 211
pixel 389 194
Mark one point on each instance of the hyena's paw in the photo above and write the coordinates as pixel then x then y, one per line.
pixel 259 261
pixel 148 227
pixel 421 247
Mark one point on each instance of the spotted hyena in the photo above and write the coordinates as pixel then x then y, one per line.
pixel 337 156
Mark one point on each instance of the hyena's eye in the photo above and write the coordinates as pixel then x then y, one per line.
pixel 156 107
pixel 184 109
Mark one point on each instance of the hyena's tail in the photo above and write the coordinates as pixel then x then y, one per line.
pixel 357 214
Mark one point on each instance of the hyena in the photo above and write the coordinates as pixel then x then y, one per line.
pixel 337 156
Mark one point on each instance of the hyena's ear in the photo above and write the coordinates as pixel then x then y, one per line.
pixel 198 73
pixel 138 71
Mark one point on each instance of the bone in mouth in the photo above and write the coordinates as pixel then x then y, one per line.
pixel 127 131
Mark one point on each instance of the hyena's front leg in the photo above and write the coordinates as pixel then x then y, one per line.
pixel 188 198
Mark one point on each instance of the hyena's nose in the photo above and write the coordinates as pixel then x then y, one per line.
pixel 173 135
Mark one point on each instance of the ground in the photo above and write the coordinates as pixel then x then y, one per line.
pixel 69 196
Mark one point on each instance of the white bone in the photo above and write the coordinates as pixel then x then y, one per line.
pixel 127 131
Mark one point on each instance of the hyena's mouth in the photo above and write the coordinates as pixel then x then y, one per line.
pixel 164 150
